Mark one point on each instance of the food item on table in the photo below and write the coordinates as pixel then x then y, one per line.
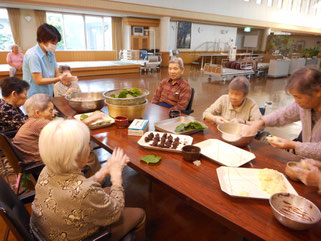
pixel 164 141
pixel 272 138
pixel 193 125
pixel 151 159
pixel 197 163
pixel 96 119
pixel 127 93
pixel 271 181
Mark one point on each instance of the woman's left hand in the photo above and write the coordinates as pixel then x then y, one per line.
pixel 283 143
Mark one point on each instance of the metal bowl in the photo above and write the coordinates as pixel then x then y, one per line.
pixel 86 101
pixel 125 101
pixel 131 111
pixel 231 133
pixel 294 211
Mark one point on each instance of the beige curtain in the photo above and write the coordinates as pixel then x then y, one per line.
pixel 14 20
pixel 40 17
pixel 117 34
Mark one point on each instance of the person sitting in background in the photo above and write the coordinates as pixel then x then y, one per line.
pixel 173 93
pixel 15 60
pixel 69 206
pixel 14 95
pixel 305 86
pixel 40 111
pixel 63 87
pixel 234 107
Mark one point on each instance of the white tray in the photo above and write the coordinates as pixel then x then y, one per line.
pixel 184 140
pixel 96 124
pixel 238 181
pixel 224 153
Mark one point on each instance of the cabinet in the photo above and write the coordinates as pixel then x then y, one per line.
pixel 139 42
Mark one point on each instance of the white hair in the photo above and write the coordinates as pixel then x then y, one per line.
pixel 178 61
pixel 61 143
pixel 14 45
pixel 37 102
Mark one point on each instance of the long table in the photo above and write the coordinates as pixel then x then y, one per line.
pixel 252 218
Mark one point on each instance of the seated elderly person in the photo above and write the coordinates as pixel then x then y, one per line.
pixel 40 111
pixel 69 206
pixel 14 95
pixel 15 60
pixel 173 93
pixel 234 107
pixel 64 87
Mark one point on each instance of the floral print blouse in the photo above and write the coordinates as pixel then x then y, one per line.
pixel 11 118
pixel 72 207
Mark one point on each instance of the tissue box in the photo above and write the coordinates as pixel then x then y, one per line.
pixel 138 127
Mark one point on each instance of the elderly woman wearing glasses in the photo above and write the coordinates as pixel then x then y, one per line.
pixel 69 206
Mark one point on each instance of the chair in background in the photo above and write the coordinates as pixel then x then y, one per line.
pixel 188 109
pixel 152 62
pixel 15 160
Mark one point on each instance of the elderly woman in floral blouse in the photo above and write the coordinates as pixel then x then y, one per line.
pixel 14 95
pixel 67 205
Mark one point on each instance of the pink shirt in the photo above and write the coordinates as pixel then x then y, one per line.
pixel 15 59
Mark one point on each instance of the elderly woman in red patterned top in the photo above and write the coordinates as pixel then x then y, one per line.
pixel 173 93
pixel 14 95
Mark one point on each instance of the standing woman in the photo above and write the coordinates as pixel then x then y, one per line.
pixel 39 65
pixel 305 86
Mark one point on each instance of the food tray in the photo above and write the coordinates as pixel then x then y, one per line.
pixel 97 124
pixel 239 181
pixel 224 153
pixel 184 140
pixel 169 125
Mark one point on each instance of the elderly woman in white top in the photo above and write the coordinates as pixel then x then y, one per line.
pixel 67 205
pixel 305 86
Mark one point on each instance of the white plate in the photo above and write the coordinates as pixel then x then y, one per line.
pixel 183 141
pixel 99 123
pixel 244 182
pixel 224 153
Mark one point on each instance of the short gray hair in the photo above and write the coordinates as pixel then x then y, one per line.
pixel 14 45
pixel 37 102
pixel 61 142
pixel 240 83
pixel 178 61
pixel 62 68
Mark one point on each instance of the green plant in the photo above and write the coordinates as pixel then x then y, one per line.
pixel 309 52
pixel 283 43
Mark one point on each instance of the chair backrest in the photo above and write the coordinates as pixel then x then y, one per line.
pixel 152 58
pixel 11 153
pixel 188 109
pixel 14 213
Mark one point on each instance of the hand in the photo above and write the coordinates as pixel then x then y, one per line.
pixel 282 143
pixel 253 128
pixel 69 91
pixel 238 120
pixel 308 163
pixel 219 120
pixel 310 177
pixel 116 164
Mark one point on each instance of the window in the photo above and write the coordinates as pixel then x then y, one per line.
pixel 82 32
pixel 270 3
pixel 6 38
pixel 307 7
pixel 299 5
pixel 280 2
pixel 258 1
pixel 290 5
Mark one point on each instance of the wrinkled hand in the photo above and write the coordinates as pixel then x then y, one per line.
pixel 310 162
pixel 310 177
pixel 69 91
pixel 248 131
pixel 219 120
pixel 238 120
pixel 283 143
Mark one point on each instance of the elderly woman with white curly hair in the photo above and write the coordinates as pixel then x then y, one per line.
pixel 69 206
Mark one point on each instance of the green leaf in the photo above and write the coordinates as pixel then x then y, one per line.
pixel 83 116
pixel 112 96
pixel 190 126
pixel 151 159
pixel 181 127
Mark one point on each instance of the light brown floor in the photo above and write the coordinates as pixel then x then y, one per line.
pixel 171 218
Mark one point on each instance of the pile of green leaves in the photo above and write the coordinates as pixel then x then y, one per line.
pixel 151 159
pixel 133 92
pixel 193 125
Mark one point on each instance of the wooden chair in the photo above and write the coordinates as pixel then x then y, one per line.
pixel 19 166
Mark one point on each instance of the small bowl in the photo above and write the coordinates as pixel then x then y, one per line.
pixel 290 170
pixel 121 122
pixel 174 113
pixel 191 153
pixel 294 211
pixel 230 132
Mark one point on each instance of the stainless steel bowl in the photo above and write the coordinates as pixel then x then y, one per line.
pixel 294 211
pixel 231 133
pixel 125 101
pixel 86 101
pixel 131 111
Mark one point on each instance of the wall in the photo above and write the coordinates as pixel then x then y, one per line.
pixel 241 34
pixel 309 41
pixel 205 37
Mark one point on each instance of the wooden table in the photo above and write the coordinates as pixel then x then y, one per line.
pixel 251 218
